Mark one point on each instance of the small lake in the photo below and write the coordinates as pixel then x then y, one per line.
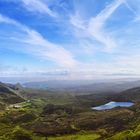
pixel 112 104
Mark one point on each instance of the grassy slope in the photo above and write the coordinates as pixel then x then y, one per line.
pixel 76 137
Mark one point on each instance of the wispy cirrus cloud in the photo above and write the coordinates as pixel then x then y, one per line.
pixel 94 28
pixel 7 20
pixel 97 23
pixel 88 37
pixel 41 47
pixel 38 6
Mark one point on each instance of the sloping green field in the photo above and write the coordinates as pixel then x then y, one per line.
pixel 76 137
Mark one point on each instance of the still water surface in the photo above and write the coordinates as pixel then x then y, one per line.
pixel 113 104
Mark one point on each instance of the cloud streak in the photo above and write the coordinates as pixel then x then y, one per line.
pixel 39 46
pixel 91 47
pixel 94 27
pixel 38 6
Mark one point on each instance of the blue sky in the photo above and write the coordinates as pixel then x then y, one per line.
pixel 72 39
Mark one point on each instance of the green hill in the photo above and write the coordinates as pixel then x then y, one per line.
pixel 8 94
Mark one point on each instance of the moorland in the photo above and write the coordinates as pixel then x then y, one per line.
pixel 45 114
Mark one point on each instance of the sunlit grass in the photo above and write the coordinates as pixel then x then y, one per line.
pixel 76 137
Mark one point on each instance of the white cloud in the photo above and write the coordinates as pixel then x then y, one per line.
pixel 76 21
pixel 7 20
pixel 38 6
pixel 88 30
pixel 94 27
pixel 97 23
pixel 39 46
pixel 49 50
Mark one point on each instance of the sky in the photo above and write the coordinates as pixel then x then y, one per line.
pixel 69 39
